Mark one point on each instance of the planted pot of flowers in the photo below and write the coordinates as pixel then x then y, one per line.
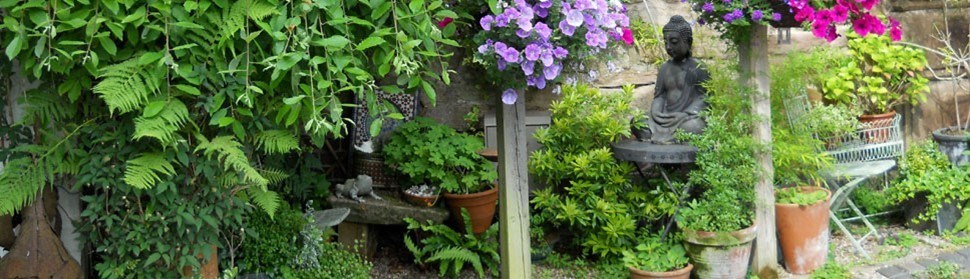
pixel 877 76
pixel 652 258
pixel 801 215
pixel 933 188
pixel 434 154
pixel 421 195
pixel 718 235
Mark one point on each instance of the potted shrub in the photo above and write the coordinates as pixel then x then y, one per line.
pixel 434 154
pixel 718 226
pixel 652 258
pixel 801 215
pixel 879 76
pixel 937 187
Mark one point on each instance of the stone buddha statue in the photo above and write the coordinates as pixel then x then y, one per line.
pixel 679 96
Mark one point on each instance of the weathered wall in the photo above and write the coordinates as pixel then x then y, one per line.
pixel 921 20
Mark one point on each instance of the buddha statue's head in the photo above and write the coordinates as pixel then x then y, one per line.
pixel 678 38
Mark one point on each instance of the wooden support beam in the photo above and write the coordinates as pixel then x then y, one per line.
pixel 513 190
pixel 755 68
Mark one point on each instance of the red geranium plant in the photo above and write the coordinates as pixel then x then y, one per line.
pixel 824 15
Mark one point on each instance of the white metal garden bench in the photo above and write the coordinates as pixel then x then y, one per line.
pixel 868 152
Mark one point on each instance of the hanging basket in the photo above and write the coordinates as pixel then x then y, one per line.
pixel 787 17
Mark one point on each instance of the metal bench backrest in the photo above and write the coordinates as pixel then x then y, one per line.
pixel 873 141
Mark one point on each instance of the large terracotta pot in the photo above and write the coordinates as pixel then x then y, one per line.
pixel 877 121
pixel 683 273
pixel 803 232
pixel 719 255
pixel 480 206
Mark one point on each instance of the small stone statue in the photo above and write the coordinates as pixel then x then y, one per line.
pixel 354 188
pixel 679 96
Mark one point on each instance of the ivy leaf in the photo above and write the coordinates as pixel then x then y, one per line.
pixel 370 42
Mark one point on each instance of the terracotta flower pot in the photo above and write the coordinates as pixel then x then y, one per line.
pixel 803 233
pixel 480 206
pixel 683 273
pixel 720 254
pixel 209 268
pixel 877 121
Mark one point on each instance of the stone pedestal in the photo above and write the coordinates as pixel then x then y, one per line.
pixel 357 230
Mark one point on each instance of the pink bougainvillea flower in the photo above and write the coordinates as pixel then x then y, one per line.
pixel 509 96
pixel 445 22
pixel 627 36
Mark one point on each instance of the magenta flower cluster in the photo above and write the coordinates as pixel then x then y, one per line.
pixel 858 12
pixel 537 37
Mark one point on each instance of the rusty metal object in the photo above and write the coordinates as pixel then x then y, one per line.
pixel 37 252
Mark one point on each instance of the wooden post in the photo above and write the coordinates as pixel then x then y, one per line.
pixel 755 68
pixel 513 190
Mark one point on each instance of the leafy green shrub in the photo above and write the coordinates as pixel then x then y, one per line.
pixel 870 200
pixel 725 166
pixel 792 195
pixel 453 250
pixel 320 258
pixel 273 242
pixel 926 171
pixel 944 270
pixel 656 256
pixel 832 270
pixel 435 154
pixel 589 192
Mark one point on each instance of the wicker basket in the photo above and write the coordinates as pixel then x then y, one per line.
pixel 374 167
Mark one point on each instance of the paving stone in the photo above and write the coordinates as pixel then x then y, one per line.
pixel 892 271
pixel 928 262
pixel 965 252
pixel 912 267
pixel 956 258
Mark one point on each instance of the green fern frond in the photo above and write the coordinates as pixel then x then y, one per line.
pixel 277 141
pixel 274 176
pixel 235 18
pixel 230 152
pixel 146 170
pixel 267 200
pixel 20 181
pixel 418 253
pixel 46 107
pixel 125 87
pixel 163 124
pixel 260 10
pixel 457 257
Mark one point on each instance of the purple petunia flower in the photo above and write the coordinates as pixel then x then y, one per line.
pixel 501 65
pixel 566 29
pixel 547 58
pixel 543 30
pixel 560 52
pixel 522 33
pixel 486 22
pixel 500 46
pixel 708 7
pixel 552 72
pixel 509 96
pixel 726 1
pixel 482 49
pixel 528 67
pixel 574 18
pixel 540 11
pixel 757 15
pixel 776 16
pixel 532 52
pixel 501 20
pixel 510 55
pixel 545 4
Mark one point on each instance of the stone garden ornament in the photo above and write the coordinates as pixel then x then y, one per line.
pixel 679 96
pixel 356 188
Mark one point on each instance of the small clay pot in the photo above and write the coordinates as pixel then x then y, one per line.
pixel 424 201
pixel 877 121
pixel 803 233
pixel 683 273
pixel 480 206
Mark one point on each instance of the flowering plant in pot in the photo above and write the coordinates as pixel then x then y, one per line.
pixel 732 18
pixel 432 153
pixel 879 76
pixel 653 258
pixel 823 15
pixel 531 42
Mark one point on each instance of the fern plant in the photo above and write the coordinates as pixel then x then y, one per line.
pixel 452 250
